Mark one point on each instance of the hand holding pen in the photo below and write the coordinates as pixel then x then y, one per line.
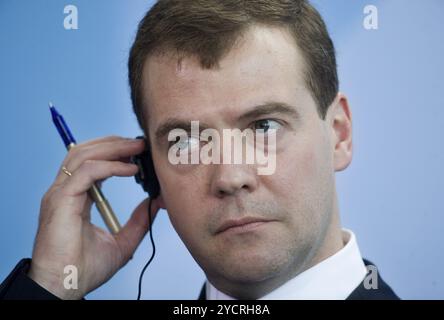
pixel 66 236
pixel 96 194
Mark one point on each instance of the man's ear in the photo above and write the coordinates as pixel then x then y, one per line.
pixel 340 121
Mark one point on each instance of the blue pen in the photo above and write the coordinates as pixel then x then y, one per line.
pixel 95 193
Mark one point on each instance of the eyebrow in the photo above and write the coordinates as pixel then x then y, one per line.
pixel 271 108
pixel 172 123
pixel 260 110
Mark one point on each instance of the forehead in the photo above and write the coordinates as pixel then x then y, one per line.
pixel 264 65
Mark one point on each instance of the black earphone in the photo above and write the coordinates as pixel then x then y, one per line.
pixel 147 178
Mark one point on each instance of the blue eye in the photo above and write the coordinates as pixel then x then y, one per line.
pixel 264 125
pixel 183 143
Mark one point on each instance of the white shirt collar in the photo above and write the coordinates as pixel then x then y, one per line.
pixel 334 278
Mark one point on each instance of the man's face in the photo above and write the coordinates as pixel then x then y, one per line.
pixel 297 200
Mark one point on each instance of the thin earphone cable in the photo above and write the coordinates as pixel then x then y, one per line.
pixel 153 253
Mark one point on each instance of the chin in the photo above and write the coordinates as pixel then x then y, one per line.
pixel 253 268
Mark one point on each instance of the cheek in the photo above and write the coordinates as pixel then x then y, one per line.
pixel 180 199
pixel 299 168
pixel 311 156
pixel 185 218
pixel 303 175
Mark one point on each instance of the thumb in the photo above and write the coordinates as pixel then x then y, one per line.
pixel 129 238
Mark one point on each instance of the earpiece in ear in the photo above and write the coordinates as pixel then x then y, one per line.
pixel 146 176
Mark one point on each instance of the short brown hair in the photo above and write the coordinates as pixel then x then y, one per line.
pixel 208 29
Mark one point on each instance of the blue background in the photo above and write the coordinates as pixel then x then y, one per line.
pixel 391 196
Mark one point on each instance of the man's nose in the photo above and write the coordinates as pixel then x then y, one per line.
pixel 230 179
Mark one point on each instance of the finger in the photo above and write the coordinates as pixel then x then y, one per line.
pixel 104 151
pixel 93 170
pixel 100 140
pixel 136 228
pixel 61 176
pixel 115 150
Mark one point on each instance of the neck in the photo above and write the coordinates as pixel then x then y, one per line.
pixel 330 244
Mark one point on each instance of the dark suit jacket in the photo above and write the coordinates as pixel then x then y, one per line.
pixel 383 292
pixel 18 286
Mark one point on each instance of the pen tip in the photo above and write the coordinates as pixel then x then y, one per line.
pixel 50 104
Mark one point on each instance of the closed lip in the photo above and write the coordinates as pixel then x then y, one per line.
pixel 239 222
